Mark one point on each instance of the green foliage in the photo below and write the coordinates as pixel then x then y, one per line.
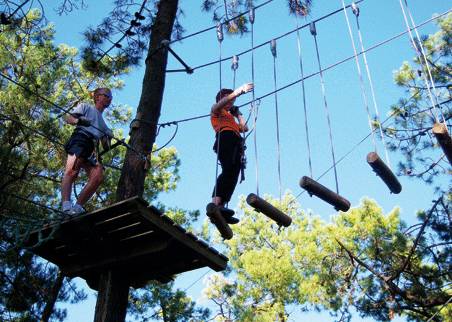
pixel 32 159
pixel 360 259
pixel 413 116
pixel 165 304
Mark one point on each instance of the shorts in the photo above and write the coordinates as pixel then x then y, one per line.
pixel 81 144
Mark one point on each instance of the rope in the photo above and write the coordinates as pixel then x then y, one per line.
pixel 255 109
pixel 322 85
pixel 278 145
pixel 306 124
pixel 268 41
pixel 353 149
pixel 225 21
pixel 360 76
pixel 218 136
pixel 355 10
pixel 66 111
pixel 334 65
pixel 420 56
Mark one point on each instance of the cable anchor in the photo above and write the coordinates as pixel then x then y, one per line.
pixel 355 9
pixel 313 29
pixel 252 15
pixel 220 36
pixel 235 62
pixel 273 47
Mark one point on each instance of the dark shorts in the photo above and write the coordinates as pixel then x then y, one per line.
pixel 81 144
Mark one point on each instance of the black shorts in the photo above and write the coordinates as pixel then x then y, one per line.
pixel 81 144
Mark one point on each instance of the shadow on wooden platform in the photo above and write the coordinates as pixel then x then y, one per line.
pixel 130 237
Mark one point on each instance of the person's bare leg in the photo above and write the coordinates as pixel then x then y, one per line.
pixel 95 177
pixel 70 174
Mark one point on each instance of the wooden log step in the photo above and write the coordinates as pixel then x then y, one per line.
pixel 383 171
pixel 334 199
pixel 213 212
pixel 444 139
pixel 269 210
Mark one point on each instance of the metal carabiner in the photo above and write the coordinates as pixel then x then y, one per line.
pixel 273 47
pixel 355 9
pixel 235 62
pixel 220 36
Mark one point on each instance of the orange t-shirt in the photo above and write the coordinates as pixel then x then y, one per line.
pixel 224 121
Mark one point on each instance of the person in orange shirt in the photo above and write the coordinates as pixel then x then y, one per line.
pixel 228 123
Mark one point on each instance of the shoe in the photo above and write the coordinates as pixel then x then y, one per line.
pixel 226 211
pixel 67 207
pixel 231 220
pixel 77 210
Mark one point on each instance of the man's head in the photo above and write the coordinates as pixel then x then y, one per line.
pixel 102 97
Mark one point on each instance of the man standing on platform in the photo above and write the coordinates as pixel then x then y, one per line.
pixel 90 129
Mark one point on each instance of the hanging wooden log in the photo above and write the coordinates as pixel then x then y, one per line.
pixel 213 212
pixel 269 210
pixel 444 140
pixel 383 171
pixel 315 188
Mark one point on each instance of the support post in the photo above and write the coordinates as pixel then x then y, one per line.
pixel 444 140
pixel 112 299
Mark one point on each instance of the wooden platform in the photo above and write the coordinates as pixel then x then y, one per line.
pixel 131 237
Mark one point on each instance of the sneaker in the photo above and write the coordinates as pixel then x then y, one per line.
pixel 77 209
pixel 67 207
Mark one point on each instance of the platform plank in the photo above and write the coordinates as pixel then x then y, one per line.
pixel 130 237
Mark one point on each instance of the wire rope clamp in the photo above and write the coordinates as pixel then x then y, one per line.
pixel 252 15
pixel 273 47
pixel 355 9
pixel 444 139
pixel 269 210
pixel 316 189
pixel 313 29
pixel 384 172
pixel 235 62
pixel 220 36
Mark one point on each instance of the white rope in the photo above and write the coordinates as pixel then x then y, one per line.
pixel 278 145
pixel 419 55
pixel 322 85
pixel 371 83
pixel 306 123
pixel 253 105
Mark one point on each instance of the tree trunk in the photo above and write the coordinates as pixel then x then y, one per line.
pixel 52 297
pixel 113 294
pixel 111 305
pixel 142 137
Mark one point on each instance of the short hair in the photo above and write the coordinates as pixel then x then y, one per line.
pixel 98 90
pixel 223 92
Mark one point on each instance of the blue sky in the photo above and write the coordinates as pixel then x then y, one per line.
pixel 192 95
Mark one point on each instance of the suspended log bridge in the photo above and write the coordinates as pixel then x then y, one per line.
pixel 334 199
pixel 129 238
pixel 444 140
pixel 269 210
pixel 384 172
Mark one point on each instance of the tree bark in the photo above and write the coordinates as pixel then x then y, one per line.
pixel 48 310
pixel 142 137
